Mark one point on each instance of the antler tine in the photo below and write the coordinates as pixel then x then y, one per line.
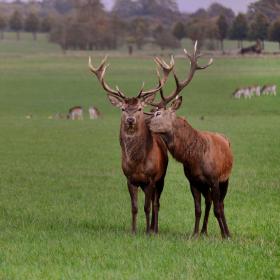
pixel 166 69
pixel 100 73
pixel 180 85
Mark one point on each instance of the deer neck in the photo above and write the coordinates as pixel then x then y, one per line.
pixel 136 146
pixel 184 142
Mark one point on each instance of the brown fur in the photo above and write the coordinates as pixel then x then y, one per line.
pixel 207 160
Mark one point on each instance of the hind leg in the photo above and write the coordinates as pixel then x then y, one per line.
pixel 217 207
pixel 223 191
pixel 208 203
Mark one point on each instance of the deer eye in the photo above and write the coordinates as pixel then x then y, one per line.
pixel 140 109
pixel 157 113
pixel 123 109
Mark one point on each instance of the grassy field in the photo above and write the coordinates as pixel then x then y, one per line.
pixel 64 204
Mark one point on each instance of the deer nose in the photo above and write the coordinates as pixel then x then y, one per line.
pixel 130 120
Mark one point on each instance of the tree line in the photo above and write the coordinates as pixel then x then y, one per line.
pixel 85 24
pixel 30 23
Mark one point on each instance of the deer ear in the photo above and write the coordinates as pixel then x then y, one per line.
pixel 115 101
pixel 176 104
pixel 146 100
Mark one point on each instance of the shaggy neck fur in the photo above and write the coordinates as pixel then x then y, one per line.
pixel 136 146
pixel 184 142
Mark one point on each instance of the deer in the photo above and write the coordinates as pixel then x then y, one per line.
pixel 255 90
pixel 94 113
pixel 144 154
pixel 269 90
pixel 206 156
pixel 75 113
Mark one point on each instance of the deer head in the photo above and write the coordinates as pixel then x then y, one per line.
pixel 163 117
pixel 132 107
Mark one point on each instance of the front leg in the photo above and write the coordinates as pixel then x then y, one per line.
pixel 133 191
pixel 147 207
pixel 197 208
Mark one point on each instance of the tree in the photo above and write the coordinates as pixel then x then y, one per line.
pixel 179 31
pixel 222 29
pixel 15 23
pixel 269 8
pixel 125 8
pixel 89 28
pixel 274 32
pixel 164 38
pixel 259 28
pixel 166 9
pixel 197 30
pixel 139 30
pixel 3 25
pixel 45 25
pixel 239 29
pixel 216 9
pixel 32 24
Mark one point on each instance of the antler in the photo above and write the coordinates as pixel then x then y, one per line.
pixel 166 69
pixel 180 85
pixel 100 73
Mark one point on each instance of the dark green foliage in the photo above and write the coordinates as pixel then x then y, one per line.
pixel 45 24
pixel 239 30
pixel 222 29
pixel 16 23
pixel 179 30
pixel 274 31
pixel 3 24
pixel 259 27
pixel 63 6
pixel 216 9
pixel 32 24
pixel 91 28
pixel 139 29
pixel 164 38
pixel 269 8
pixel 160 8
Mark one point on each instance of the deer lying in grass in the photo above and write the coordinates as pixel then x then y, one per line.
pixel 144 154
pixel 206 156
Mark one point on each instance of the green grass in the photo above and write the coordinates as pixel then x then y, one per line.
pixel 64 205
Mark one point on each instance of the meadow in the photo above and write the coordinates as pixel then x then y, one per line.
pixel 64 204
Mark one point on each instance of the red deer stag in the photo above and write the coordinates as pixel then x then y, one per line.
pixel 206 156
pixel 144 154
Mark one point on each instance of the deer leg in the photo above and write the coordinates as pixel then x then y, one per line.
pixel 223 192
pixel 156 203
pixel 197 207
pixel 147 207
pixel 153 213
pixel 133 191
pixel 217 207
pixel 208 203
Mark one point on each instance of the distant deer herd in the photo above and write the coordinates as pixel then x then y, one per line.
pixel 145 138
pixel 248 92
pixel 75 113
